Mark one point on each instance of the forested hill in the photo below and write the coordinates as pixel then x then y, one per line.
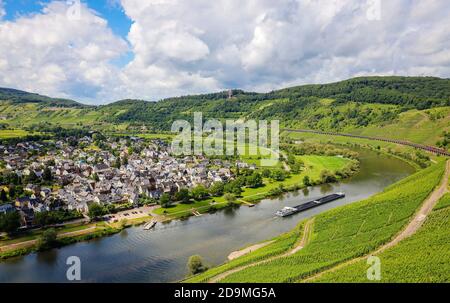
pixel 349 105
pixel 15 96
pixel 308 103
pixel 414 92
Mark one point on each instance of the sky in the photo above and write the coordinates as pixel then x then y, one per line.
pixel 98 51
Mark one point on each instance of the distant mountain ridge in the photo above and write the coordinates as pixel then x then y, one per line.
pixel 419 92
pixel 407 107
pixel 19 96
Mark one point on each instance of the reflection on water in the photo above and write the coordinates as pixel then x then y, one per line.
pixel 326 188
pixel 124 233
pixel 49 257
pixel 305 192
pixel 160 255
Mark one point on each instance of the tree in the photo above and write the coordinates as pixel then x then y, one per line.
pixel 95 211
pixel 199 192
pixel 47 174
pixel 95 177
pixel 237 191
pixel 254 181
pixel 327 176
pixel 3 196
pixel 195 265
pixel 278 175
pixel 48 239
pixel 165 200
pixel 217 189
pixel 306 181
pixel 110 209
pixel 266 173
pixel 296 168
pixel 125 161
pixel 9 222
pixel 291 160
pixel 118 163
pixel 12 191
pixel 183 196
pixel 32 177
pixel 230 198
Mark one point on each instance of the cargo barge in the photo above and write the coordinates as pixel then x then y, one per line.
pixel 289 211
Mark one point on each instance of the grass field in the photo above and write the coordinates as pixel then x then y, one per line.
pixel 349 231
pixel 424 257
pixel 415 126
pixel 15 133
pixel 313 166
pixel 420 126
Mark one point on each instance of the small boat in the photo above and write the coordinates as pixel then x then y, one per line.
pixel 149 225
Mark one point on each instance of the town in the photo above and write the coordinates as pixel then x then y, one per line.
pixel 72 174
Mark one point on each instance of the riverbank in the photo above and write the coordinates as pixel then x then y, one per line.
pixel 115 223
pixel 314 165
pixel 365 231
pixel 160 255
pixel 74 232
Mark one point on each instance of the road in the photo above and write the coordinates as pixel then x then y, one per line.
pixel 305 239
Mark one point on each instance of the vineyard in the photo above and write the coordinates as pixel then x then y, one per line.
pixel 347 232
pixel 422 258
pixel 279 245
pixel 444 202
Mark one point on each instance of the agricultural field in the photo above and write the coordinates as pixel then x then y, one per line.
pixel 349 231
pixel 13 133
pixel 424 257
pixel 423 127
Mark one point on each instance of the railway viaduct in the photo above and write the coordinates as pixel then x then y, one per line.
pixel 431 149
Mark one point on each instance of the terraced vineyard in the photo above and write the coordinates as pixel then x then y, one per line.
pixel 280 245
pixel 422 258
pixel 345 233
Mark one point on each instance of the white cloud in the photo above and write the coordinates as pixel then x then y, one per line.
pixel 182 47
pixel 260 45
pixel 51 53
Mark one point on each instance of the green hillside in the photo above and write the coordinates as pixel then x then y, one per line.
pixel 412 108
pixel 337 235
pixel 422 258
pixel 19 97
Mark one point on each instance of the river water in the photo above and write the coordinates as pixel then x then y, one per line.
pixel 161 255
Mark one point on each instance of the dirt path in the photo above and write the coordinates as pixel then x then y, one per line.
pixel 239 253
pixel 29 243
pixel 299 246
pixel 413 226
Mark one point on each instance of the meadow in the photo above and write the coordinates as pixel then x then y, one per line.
pixel 313 167
pixel 348 232
pixel 12 133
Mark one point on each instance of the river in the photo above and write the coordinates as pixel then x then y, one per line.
pixel 160 255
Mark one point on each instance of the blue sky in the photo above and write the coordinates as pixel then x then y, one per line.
pixel 111 10
pixel 152 49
